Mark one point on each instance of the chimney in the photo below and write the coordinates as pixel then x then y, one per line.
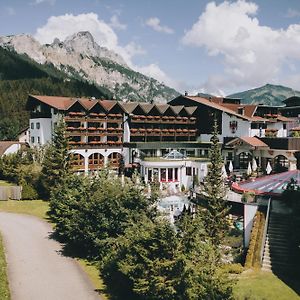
pixel 186 93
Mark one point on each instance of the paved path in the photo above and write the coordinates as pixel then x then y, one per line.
pixel 36 269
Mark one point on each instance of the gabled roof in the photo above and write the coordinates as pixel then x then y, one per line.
pixel 129 107
pixel 190 109
pixel 146 107
pixel 249 109
pixel 251 141
pixel 177 108
pixel 285 119
pixel 162 107
pixel 4 145
pixel 108 104
pixel 214 105
pixel 60 103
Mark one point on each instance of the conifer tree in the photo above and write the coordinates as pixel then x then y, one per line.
pixel 216 207
pixel 56 163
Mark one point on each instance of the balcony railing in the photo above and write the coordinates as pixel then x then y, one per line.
pixel 163 119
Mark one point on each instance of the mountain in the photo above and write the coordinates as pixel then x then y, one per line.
pixel 20 76
pixel 80 57
pixel 268 94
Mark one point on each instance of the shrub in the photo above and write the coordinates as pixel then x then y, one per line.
pixel 29 192
pixel 233 268
pixel 253 253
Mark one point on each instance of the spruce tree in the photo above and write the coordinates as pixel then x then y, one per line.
pixel 216 207
pixel 56 163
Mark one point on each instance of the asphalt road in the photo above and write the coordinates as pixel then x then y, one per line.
pixel 36 268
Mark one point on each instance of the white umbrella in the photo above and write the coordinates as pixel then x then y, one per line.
pixel 269 168
pixel 224 173
pixel 230 167
pixel 254 165
pixel 249 170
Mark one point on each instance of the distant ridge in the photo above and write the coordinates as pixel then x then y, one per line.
pixel 268 94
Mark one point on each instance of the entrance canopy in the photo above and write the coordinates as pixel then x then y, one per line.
pixel 272 185
pixel 174 154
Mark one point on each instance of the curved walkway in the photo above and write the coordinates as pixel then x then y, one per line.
pixel 36 268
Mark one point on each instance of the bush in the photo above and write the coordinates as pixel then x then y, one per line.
pixel 253 253
pixel 29 192
pixel 233 268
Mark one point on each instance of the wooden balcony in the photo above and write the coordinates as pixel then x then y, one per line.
pixel 163 119
pixel 162 132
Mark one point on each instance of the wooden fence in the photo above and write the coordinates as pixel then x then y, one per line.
pixel 10 192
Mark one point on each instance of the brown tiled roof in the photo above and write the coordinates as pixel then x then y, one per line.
pixel 248 108
pixel 253 141
pixel 108 104
pixel 129 107
pixel 4 145
pixel 285 119
pixel 216 106
pixel 177 108
pixel 259 119
pixel 190 109
pixel 61 103
pixel 146 107
pixel 162 107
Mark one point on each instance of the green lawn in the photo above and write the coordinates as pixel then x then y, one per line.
pixel 36 208
pixel 4 290
pixel 259 285
pixel 39 209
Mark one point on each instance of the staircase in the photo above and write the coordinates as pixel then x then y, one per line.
pixel 276 255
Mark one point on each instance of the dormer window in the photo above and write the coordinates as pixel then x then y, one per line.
pixel 241 111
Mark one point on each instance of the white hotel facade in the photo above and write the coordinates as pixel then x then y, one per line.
pixel 141 135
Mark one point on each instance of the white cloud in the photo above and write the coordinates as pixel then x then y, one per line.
pixel 252 54
pixel 37 2
pixel 292 13
pixel 154 71
pixel 116 24
pixel 103 33
pixel 154 23
pixel 68 24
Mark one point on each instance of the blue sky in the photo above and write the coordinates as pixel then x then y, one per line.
pixel 195 45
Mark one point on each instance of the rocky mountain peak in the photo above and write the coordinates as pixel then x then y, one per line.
pixel 82 42
pixel 24 44
pixel 80 56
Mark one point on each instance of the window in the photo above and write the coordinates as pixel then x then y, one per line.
pixel 162 174
pixel 32 125
pixel 176 174
pixel 32 139
pixel 38 140
pixel 170 174
pixel 284 125
pixel 38 125
pixel 188 171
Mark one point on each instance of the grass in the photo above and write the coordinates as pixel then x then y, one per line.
pixel 36 208
pixel 258 285
pixel 39 209
pixel 92 271
pixel 4 289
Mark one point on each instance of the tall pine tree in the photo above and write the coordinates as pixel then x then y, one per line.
pixel 56 163
pixel 216 207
